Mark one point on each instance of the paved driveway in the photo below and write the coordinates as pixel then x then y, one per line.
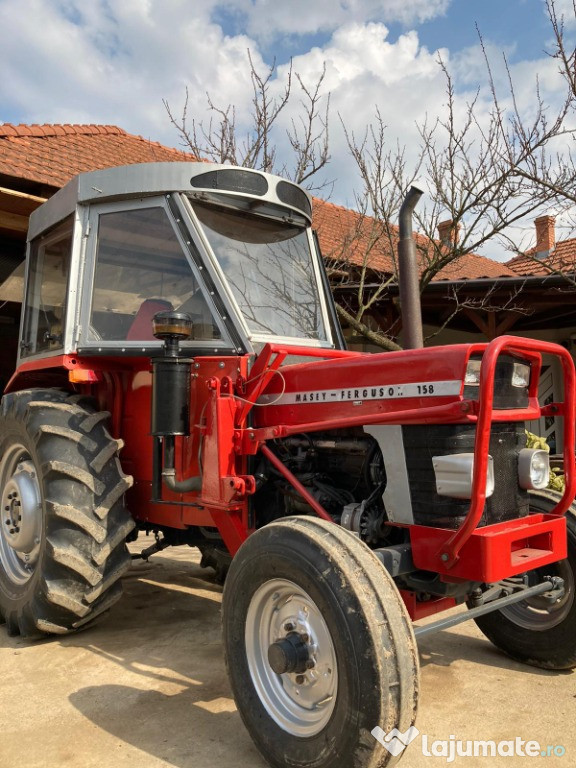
pixel 148 688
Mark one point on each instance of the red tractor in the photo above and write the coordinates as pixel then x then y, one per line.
pixel 182 373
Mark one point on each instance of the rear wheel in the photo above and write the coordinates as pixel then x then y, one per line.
pixel 63 522
pixel 535 631
pixel 319 647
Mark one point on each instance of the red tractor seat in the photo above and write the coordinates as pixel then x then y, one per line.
pixel 141 328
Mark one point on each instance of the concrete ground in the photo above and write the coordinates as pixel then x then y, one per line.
pixel 148 688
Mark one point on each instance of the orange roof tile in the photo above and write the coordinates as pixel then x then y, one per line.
pixel 53 154
pixel 472 266
pixel 347 237
pixel 561 260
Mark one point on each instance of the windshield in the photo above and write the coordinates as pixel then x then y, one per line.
pixel 269 268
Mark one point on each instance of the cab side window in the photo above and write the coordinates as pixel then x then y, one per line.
pixel 45 310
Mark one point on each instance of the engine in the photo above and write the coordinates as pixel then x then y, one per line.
pixel 343 472
pixel 346 473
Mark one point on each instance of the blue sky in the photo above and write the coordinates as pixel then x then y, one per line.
pixel 114 61
pixel 518 26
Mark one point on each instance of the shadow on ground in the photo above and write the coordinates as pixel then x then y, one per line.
pixel 166 638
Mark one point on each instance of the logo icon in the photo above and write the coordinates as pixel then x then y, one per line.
pixel 395 741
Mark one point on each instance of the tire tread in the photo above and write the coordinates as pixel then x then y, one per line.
pixel 84 553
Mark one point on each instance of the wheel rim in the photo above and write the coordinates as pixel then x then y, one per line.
pixel 538 614
pixel 21 510
pixel 300 703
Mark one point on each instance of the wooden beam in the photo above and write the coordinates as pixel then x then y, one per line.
pixel 14 222
pixel 491 326
pixel 22 195
pixel 478 321
pixel 509 321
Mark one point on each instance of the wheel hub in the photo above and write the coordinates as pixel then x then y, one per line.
pixel 21 518
pixel 291 657
pixel 290 654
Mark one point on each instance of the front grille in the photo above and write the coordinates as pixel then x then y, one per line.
pixel 422 442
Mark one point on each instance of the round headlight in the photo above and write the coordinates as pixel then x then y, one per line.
pixel 533 469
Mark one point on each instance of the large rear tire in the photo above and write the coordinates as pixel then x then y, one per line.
pixel 64 524
pixel 319 647
pixel 533 631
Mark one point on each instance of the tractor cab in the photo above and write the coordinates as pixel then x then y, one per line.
pixel 232 248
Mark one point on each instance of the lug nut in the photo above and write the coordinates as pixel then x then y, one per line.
pixel 310 664
pixel 305 637
pixel 300 679
pixel 288 627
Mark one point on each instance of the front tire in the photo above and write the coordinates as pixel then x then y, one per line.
pixel 319 647
pixel 533 631
pixel 64 525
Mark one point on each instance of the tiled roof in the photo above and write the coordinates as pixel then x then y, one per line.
pixel 53 154
pixel 561 259
pixel 471 266
pixel 346 237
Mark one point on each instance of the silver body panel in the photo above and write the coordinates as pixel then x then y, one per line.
pixel 396 497
pixel 136 181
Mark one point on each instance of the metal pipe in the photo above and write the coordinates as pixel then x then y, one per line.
pixel 550 583
pixel 181 486
pixel 408 274
pixel 169 472
pixel 295 483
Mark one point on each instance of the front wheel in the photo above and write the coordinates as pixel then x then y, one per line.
pixel 319 647
pixel 532 630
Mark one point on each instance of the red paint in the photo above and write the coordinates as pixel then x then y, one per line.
pixel 420 609
pixel 494 552
pixel 450 551
pixel 227 428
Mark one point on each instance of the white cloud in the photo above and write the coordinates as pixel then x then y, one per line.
pixel 76 61
pixel 564 11
pixel 72 61
pixel 113 61
pixel 365 72
pixel 269 17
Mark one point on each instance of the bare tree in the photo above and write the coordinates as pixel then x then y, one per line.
pixel 551 176
pixel 220 141
pixel 483 174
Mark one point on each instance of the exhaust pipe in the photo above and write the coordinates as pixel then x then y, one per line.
pixel 412 335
